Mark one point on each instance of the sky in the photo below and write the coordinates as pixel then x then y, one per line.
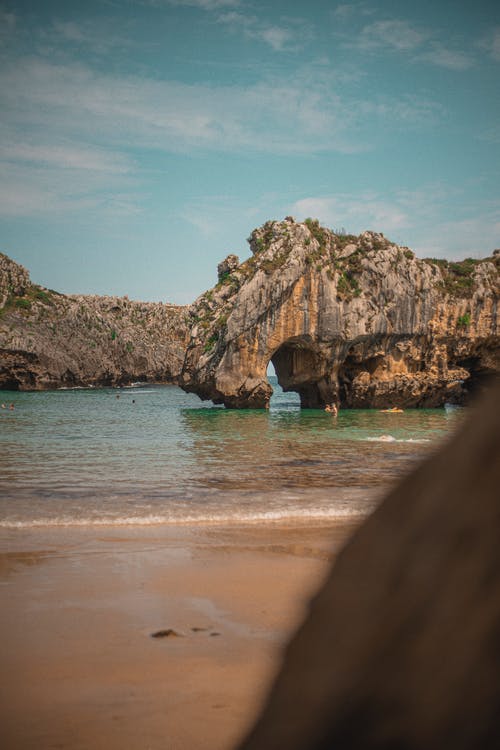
pixel 141 141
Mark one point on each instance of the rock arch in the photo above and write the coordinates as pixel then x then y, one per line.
pixel 357 318
pixel 300 366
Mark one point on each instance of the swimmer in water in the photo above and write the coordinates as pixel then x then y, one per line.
pixel 332 409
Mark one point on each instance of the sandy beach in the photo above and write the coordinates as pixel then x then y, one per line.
pixel 79 606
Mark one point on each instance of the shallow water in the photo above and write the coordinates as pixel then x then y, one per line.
pixel 158 455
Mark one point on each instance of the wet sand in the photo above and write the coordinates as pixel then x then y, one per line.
pixel 78 665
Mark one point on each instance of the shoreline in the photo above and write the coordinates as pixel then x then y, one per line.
pixel 80 668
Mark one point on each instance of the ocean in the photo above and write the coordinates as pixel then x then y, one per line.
pixel 156 455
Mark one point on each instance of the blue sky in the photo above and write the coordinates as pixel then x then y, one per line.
pixel 142 140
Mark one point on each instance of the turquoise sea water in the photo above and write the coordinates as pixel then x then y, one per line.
pixel 154 454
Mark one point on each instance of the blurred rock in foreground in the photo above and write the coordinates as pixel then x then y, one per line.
pixel 401 648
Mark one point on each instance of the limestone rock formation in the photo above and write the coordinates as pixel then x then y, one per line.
pixel 401 646
pixel 14 279
pixel 354 318
pixel 49 340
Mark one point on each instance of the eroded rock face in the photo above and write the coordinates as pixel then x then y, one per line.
pixel 49 340
pixel 354 318
pixel 14 279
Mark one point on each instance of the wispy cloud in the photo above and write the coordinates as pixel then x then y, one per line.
pixel 347 11
pixel 68 156
pixel 278 37
pixel 274 115
pixel 490 135
pixel 208 5
pixel 68 129
pixel 7 25
pixel 446 58
pixel 418 44
pixel 491 43
pixel 43 189
pixel 97 36
pixel 395 34
pixel 423 218
pixel 355 212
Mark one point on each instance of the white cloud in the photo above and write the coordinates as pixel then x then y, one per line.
pixel 279 38
pixel 411 217
pixel 446 58
pixel 491 43
pixel 355 212
pixel 99 37
pixel 208 5
pixel 72 156
pixel 305 115
pixel 400 36
pixel 473 237
pixel 346 11
pixel 38 192
pixel 71 31
pixel 7 25
pixel 490 135
pixel 395 34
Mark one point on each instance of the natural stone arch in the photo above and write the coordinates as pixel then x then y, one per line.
pixel 354 318
pixel 481 364
pixel 300 366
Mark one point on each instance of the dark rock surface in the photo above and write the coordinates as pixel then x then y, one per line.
pixel 401 648
pixel 354 318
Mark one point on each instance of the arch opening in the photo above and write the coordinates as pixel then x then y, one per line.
pixel 481 375
pixel 299 367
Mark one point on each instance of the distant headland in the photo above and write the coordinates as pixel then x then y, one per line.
pixel 51 340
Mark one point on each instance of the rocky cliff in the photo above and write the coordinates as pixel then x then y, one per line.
pixel 49 340
pixel 359 319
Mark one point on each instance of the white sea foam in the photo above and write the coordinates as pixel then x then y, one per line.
pixel 285 515
pixel 391 439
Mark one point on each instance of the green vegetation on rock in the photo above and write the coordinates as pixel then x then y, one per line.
pixel 463 321
pixel 457 278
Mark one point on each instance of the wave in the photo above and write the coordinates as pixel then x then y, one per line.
pixel 75 387
pixel 276 516
pixel 391 439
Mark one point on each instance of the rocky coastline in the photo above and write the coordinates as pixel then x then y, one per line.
pixel 356 319
pixel 50 340
pixel 353 319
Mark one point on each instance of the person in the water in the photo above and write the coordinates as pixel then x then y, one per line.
pixel 332 409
